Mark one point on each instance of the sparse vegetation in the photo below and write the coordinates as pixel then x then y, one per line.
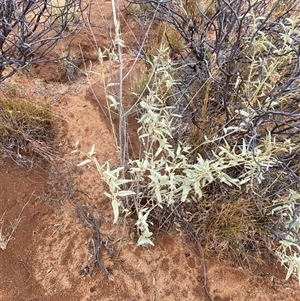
pixel 219 125
pixel 6 236
pixel 29 31
pixel 217 109
pixel 25 125
pixel 69 63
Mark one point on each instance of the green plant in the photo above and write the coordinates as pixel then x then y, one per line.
pixel 239 76
pixel 287 230
pixel 163 175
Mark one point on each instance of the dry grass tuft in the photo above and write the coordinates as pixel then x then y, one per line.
pixel 25 125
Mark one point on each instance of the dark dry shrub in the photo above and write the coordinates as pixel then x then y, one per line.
pixel 29 30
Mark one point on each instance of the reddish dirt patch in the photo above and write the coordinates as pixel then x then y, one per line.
pixel 20 189
pixel 50 250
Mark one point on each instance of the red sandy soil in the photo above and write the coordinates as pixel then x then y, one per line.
pixel 50 256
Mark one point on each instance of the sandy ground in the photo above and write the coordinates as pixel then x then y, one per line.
pixel 51 254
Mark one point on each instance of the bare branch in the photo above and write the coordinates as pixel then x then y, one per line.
pixel 30 29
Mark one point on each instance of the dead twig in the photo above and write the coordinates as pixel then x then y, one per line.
pixel 25 266
pixel 97 240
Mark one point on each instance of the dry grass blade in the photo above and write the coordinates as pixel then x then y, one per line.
pixel 25 126
pixel 6 238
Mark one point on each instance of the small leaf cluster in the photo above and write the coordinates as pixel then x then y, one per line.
pixel 289 249
pixel 165 174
